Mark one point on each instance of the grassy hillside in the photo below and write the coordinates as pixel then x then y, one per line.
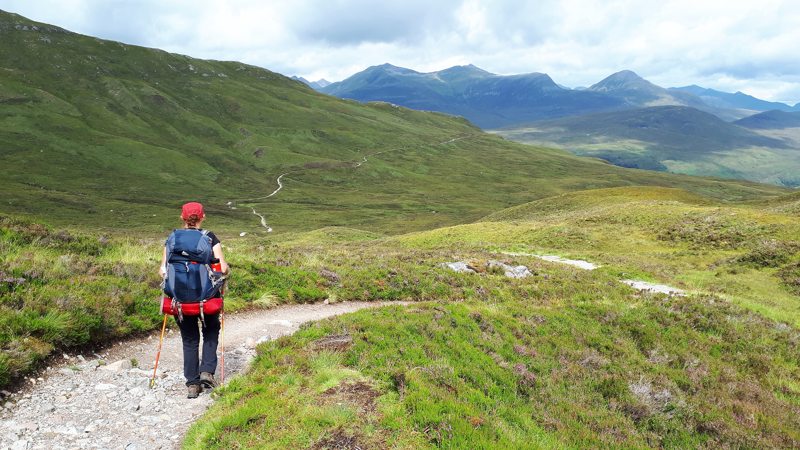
pixel 671 138
pixel 566 358
pixel 97 133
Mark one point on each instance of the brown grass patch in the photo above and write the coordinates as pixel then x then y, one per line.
pixel 357 393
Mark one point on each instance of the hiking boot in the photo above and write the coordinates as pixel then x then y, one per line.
pixel 207 380
pixel 194 390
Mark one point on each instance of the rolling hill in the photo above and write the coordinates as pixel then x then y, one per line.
pixel 770 120
pixel 672 138
pixel 96 133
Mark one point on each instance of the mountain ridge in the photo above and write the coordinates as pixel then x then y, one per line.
pixel 487 99
pixel 622 90
pixel 737 100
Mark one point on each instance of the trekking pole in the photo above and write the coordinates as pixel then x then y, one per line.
pixel 222 372
pixel 158 355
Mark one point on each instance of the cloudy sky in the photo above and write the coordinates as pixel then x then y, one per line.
pixel 728 45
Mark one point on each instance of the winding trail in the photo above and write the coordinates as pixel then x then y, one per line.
pixel 83 404
pixel 263 221
pixel 280 186
pixel 355 165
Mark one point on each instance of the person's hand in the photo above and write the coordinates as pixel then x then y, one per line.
pixel 162 271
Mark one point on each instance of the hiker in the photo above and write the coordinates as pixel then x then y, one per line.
pixel 199 373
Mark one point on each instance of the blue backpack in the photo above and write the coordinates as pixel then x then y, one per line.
pixel 189 277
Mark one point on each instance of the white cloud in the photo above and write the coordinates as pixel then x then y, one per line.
pixel 726 45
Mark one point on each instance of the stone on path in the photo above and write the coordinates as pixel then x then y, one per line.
pixel 511 271
pixel 119 366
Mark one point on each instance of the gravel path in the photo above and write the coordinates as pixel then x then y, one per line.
pixel 103 402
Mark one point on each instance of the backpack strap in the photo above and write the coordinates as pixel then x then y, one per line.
pixel 208 263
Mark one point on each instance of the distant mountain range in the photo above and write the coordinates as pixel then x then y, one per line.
pixel 738 100
pixel 317 85
pixel 623 118
pixel 486 99
pixel 498 101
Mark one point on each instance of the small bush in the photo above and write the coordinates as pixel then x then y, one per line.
pixel 790 277
pixel 769 253
pixel 709 231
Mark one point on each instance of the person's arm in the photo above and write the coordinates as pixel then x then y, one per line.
pixel 162 270
pixel 218 254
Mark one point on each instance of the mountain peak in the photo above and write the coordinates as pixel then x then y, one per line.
pixel 636 90
pixel 386 67
pixel 462 72
pixel 319 84
pixel 618 80
pixel 466 68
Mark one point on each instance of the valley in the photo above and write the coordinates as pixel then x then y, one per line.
pixel 621 119
pixel 327 205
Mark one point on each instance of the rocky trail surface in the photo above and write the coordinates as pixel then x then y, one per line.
pixel 103 401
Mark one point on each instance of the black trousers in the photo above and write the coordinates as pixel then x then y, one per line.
pixel 191 329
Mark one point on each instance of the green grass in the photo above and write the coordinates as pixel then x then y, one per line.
pixel 567 358
pixel 656 234
pixel 557 368
pixel 97 134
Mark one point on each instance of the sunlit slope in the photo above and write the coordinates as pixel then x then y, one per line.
pixel 750 255
pixel 95 133
pixel 566 358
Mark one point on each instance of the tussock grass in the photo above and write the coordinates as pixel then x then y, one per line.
pixel 566 358
pixel 574 371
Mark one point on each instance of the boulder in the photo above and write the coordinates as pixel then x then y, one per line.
pixel 118 366
pixel 458 266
